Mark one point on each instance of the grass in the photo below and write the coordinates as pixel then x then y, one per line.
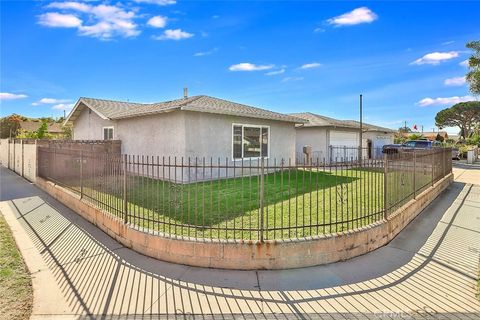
pixel 16 295
pixel 297 203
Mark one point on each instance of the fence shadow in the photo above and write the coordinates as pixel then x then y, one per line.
pixel 99 277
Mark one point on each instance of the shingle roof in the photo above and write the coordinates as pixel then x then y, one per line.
pixel 119 110
pixel 34 125
pixel 316 120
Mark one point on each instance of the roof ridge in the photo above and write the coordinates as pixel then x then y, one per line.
pixel 242 104
pixel 110 100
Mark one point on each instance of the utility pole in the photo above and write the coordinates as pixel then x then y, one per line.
pixel 361 130
pixel 405 126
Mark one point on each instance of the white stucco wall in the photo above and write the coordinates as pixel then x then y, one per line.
pixel 156 135
pixel 315 137
pixel 25 156
pixel 4 152
pixel 319 139
pixel 89 126
pixel 210 135
pixel 187 134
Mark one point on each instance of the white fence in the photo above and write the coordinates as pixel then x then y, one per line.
pixel 20 156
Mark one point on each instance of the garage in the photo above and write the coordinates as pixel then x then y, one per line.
pixel 343 145
pixel 343 138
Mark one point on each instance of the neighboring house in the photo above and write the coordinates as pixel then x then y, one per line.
pixel 55 129
pixel 192 127
pixel 332 139
pixel 431 136
pixel 435 136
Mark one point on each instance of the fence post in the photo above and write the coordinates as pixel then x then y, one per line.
pixel 14 159
pixel 54 164
pixel 444 163
pixel 23 157
pixel 8 150
pixel 385 180
pixel 433 165
pixel 262 190
pixel 414 174
pixel 81 173
pixel 125 200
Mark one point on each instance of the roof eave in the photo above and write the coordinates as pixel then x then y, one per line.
pixel 76 106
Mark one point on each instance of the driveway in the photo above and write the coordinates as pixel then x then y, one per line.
pixel 428 271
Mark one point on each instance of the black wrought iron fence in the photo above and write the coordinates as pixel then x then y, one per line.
pixel 249 199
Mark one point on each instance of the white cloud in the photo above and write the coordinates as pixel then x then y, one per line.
pixel 58 20
pixel 205 53
pixel 63 106
pixel 318 30
pixel 289 79
pixel 71 5
pixel 311 65
pixel 246 66
pixel 159 2
pixel 436 57
pixel 443 101
pixel 105 21
pixel 455 81
pixel 11 96
pixel 274 73
pixel 174 34
pixel 157 22
pixel 356 16
pixel 464 63
pixel 446 43
pixel 49 101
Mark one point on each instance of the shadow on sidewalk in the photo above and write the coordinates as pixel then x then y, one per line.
pixel 98 276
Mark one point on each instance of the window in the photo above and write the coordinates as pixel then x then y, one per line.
pixel 250 141
pixel 107 133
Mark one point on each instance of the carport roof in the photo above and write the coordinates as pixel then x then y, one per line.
pixel 114 110
pixel 316 120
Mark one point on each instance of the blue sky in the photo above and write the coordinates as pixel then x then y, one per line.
pixel 404 57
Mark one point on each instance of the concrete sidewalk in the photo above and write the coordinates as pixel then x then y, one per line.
pixel 428 271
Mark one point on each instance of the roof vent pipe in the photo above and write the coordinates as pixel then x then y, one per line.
pixel 185 93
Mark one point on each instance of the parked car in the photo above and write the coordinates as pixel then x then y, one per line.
pixel 455 154
pixel 411 145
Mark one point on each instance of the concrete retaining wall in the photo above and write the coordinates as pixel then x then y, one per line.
pixel 272 254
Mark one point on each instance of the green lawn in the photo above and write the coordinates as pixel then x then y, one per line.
pixel 297 203
pixel 15 284
pixel 317 202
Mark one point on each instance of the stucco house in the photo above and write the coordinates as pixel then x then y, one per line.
pixel 197 126
pixel 332 139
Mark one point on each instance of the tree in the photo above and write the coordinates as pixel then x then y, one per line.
pixel 10 125
pixel 464 115
pixel 404 130
pixel 473 76
pixel 67 132
pixel 415 136
pixel 42 131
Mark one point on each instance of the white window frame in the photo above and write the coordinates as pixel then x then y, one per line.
pixel 251 126
pixel 113 132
